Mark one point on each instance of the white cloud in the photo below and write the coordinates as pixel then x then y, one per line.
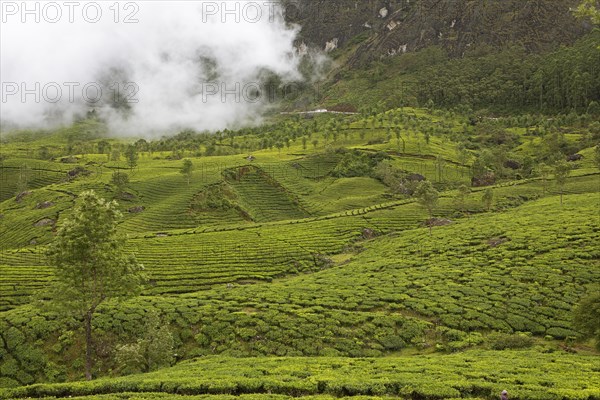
pixel 161 54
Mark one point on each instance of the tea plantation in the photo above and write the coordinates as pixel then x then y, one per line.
pixel 296 261
pixel 474 374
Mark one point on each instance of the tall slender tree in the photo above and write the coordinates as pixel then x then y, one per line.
pixel 562 170
pixel 427 196
pixel 187 169
pixel 91 265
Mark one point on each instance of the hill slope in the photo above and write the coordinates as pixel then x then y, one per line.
pixel 395 27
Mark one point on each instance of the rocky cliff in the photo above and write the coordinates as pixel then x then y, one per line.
pixel 384 28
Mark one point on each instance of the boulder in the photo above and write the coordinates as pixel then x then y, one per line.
pixel 415 177
pixel 44 204
pixel 368 233
pixel 575 157
pixel 44 222
pixel 487 179
pixel 512 164
pixel 21 196
pixel 126 196
pixel 75 172
pixel 69 160
pixel 438 222
pixel 497 241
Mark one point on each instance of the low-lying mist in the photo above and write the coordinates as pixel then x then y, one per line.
pixel 148 68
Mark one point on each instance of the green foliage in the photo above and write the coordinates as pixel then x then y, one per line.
pixel 277 256
pixel 356 163
pixel 587 317
pixel 187 169
pixel 589 9
pixel 103 146
pixel 120 180
pixel 151 352
pixel 562 170
pixel 503 341
pixel 477 373
pixel 91 265
pixel 131 154
pixel 461 197
pixel 508 81
pixel 427 196
pixel 488 198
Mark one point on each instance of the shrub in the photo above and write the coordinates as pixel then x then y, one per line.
pixel 503 341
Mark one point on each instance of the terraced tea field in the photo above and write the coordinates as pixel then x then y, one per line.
pixel 302 272
pixel 203 257
pixel 511 272
pixel 474 375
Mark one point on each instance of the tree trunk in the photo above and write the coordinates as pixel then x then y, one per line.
pixel 88 345
pixel 561 195
pixel 430 223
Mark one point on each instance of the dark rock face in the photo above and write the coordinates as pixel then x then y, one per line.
pixel 45 222
pixel 484 180
pixel 43 205
pixel 575 157
pixel 127 196
pixel 438 222
pixel 21 196
pixel 497 241
pixel 368 233
pixel 390 27
pixel 79 170
pixel 512 164
pixel 415 178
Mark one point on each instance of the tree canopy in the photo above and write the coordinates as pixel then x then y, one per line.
pixel 91 263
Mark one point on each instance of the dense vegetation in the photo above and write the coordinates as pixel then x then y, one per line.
pixel 441 243
pixel 501 82
pixel 476 375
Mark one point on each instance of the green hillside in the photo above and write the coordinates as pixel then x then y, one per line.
pixel 434 235
pixel 318 250
pixel 475 375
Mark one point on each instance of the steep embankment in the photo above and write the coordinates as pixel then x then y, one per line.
pixel 386 28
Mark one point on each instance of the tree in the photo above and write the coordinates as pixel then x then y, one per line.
pixel 594 109
pixel 462 154
pixel 587 317
pixel 439 165
pixel 103 146
pixel 427 196
pixel 279 146
pixel 562 170
pixel 461 197
pixel 152 351
pixel 187 169
pixel 115 155
pixel 488 198
pixel 91 265
pixel 588 9
pixel 119 180
pixel 544 171
pixel 132 156
pixel 399 138
pixel 23 180
pixel 44 153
